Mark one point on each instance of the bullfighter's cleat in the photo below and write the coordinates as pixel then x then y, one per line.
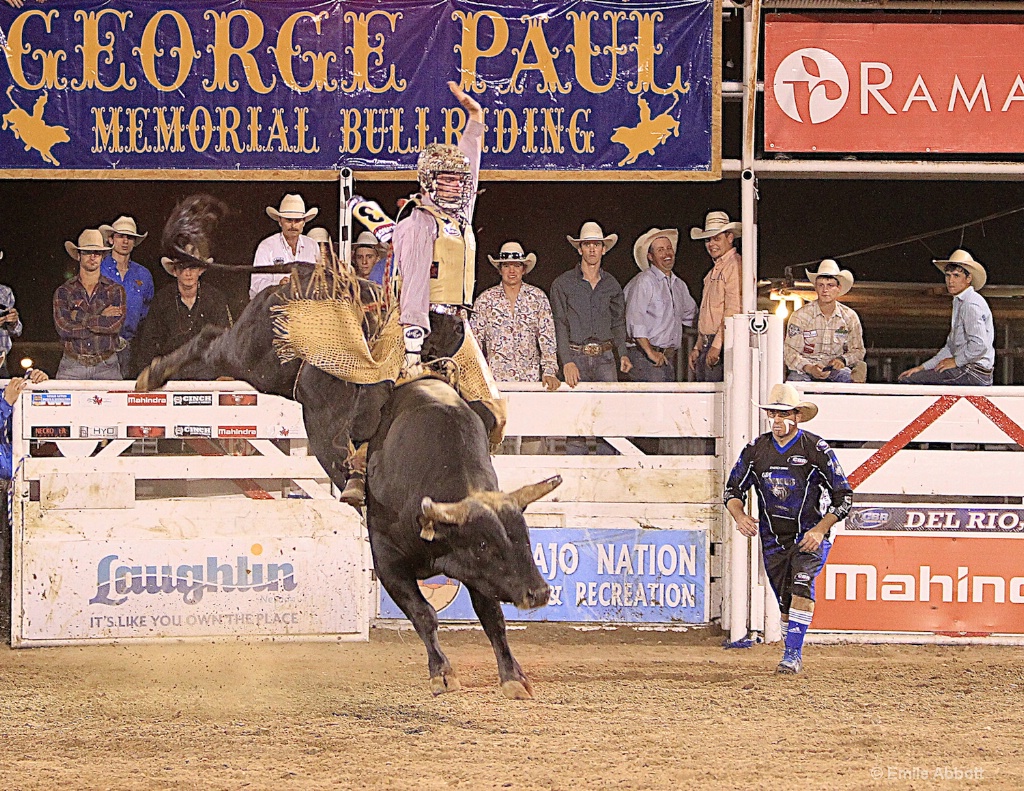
pixel 791 664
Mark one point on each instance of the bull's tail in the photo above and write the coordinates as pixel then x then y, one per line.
pixel 11 97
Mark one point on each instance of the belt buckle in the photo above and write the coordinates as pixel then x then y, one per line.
pixel 592 349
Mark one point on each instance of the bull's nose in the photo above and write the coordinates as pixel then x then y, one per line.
pixel 537 597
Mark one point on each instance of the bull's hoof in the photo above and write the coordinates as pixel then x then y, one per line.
pixel 517 690
pixel 142 383
pixel 446 682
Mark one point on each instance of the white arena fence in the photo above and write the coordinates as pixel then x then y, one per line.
pixel 119 536
pixel 185 514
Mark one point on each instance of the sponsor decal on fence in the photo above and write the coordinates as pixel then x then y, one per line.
pixel 237 399
pixel 193 431
pixel 51 432
pixel 97 432
pixel 619 576
pixel 142 432
pixel 51 399
pixel 858 86
pixel 568 85
pixel 939 584
pixel 192 399
pixel 978 519
pixel 147 399
pixel 236 432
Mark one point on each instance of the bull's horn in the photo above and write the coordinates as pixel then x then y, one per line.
pixel 452 513
pixel 525 495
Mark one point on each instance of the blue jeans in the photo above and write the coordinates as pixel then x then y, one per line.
pixel 704 372
pixel 646 371
pixel 966 376
pixel 597 368
pixel 842 375
pixel 72 369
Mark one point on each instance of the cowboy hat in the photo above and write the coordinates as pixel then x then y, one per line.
pixel 512 253
pixel 715 223
pixel 964 259
pixel 125 225
pixel 292 208
pixel 784 397
pixel 321 235
pixel 829 268
pixel 367 239
pixel 592 232
pixel 643 244
pixel 89 241
pixel 169 264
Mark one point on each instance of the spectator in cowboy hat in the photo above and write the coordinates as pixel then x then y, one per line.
pixel 179 312
pixel 968 357
pixel 512 323
pixel 589 313
pixel 791 470
pixel 286 247
pixel 123 237
pixel 824 340
pixel 658 304
pixel 369 258
pixel 88 311
pixel 10 324
pixel 721 297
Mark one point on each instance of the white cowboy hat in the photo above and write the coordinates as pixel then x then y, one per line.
pixel 292 208
pixel 964 259
pixel 89 241
pixel 367 239
pixel 320 235
pixel 784 397
pixel 715 223
pixel 512 252
pixel 829 268
pixel 592 232
pixel 125 225
pixel 643 244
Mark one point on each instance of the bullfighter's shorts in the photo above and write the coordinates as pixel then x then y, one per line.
pixel 791 572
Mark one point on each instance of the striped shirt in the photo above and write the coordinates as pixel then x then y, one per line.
pixel 972 335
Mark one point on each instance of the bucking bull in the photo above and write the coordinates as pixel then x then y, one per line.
pixel 433 504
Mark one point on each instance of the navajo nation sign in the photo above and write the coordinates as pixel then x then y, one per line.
pixel 606 88
pixel 955 86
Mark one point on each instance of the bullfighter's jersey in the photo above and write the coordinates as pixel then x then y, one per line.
pixel 796 484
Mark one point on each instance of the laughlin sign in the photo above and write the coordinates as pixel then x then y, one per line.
pixel 950 87
pixel 585 85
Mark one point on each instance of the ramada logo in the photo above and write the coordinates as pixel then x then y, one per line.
pixel 811 84
pixel 862 584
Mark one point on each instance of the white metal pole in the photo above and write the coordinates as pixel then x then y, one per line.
pixel 748 183
pixel 737 397
pixel 772 370
pixel 345 216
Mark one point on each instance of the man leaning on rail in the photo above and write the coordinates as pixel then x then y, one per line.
pixel 969 356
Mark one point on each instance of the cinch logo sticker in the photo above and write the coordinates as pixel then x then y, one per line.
pixel 193 399
pixel 147 399
pixel 811 85
pixel 193 431
pixel 115 583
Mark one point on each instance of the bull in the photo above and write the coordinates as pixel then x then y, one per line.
pixel 433 507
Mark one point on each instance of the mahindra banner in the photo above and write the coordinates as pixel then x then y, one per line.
pixel 587 85
pixel 939 584
pixel 893 87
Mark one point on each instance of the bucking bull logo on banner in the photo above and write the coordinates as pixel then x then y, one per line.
pixel 32 130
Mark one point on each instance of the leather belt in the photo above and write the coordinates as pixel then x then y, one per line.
pixel 591 349
pixel 89 359
pixel 448 310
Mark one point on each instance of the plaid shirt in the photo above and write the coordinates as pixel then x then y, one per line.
pixel 814 339
pixel 78 320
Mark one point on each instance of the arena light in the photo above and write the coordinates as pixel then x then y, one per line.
pixel 26 363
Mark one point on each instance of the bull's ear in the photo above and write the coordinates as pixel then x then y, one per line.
pixel 525 495
pixel 452 513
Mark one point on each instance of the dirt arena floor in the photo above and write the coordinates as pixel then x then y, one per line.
pixel 613 709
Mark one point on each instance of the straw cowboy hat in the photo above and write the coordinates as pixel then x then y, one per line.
pixel 512 252
pixel 829 268
pixel 169 264
pixel 643 244
pixel 367 239
pixel 592 232
pixel 715 223
pixel 89 241
pixel 292 208
pixel 321 235
pixel 964 259
pixel 125 225
pixel 784 397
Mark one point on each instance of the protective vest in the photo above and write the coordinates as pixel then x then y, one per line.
pixel 453 266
